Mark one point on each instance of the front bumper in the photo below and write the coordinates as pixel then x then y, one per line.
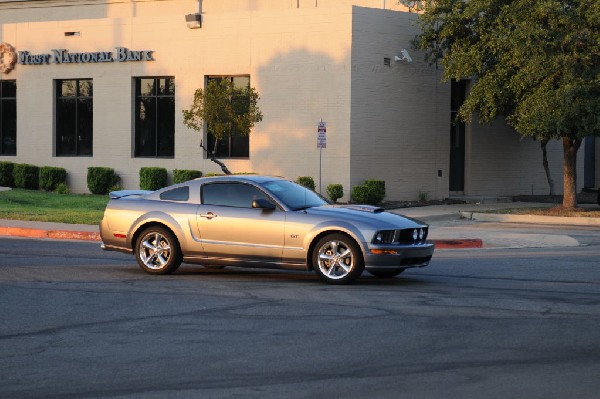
pixel 398 257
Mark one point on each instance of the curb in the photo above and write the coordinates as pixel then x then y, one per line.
pixel 52 234
pixel 92 236
pixel 531 219
pixel 458 243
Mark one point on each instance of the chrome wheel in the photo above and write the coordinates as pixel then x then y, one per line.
pixel 157 251
pixel 337 259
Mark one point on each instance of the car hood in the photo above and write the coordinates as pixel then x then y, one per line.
pixel 366 214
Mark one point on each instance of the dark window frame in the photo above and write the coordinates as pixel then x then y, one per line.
pixel 157 136
pixel 234 145
pixel 6 99
pixel 231 194
pixel 79 133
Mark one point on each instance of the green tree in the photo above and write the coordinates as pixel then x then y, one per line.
pixel 226 110
pixel 535 62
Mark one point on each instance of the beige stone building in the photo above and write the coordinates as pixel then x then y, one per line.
pixel 103 83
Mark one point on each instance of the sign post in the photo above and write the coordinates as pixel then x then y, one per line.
pixel 321 143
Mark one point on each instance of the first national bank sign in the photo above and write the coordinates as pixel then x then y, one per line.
pixel 64 56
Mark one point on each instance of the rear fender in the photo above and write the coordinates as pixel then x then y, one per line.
pixel 156 218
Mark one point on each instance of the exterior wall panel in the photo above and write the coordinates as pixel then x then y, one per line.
pixel 502 163
pixel 400 113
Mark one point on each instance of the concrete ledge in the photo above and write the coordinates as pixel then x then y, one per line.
pixel 531 219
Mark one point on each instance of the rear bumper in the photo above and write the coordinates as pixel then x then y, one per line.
pixel 117 249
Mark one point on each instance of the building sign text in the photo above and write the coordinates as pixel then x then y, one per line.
pixel 64 56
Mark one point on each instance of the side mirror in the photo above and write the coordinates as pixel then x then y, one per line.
pixel 263 204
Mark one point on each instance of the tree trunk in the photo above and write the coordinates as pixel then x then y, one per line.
pixel 570 148
pixel 215 160
pixel 544 143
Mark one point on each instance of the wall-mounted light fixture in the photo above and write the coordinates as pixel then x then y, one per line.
pixel 404 57
pixel 194 21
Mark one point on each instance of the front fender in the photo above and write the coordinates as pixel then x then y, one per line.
pixel 336 226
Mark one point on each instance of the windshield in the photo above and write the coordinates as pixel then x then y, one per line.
pixel 294 196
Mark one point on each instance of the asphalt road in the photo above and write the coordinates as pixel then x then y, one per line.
pixel 76 322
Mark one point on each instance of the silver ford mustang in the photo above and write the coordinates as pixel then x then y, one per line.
pixel 260 221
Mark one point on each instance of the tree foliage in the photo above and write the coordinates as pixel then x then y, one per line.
pixel 535 62
pixel 226 109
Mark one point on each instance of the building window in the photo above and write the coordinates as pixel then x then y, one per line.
pixel 74 117
pixel 8 117
pixel 233 146
pixel 155 117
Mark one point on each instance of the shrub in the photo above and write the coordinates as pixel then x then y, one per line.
pixel 100 179
pixel 359 194
pixel 50 177
pixel 62 188
pixel 183 175
pixel 153 178
pixel 6 174
pixel 306 181
pixel 376 189
pixel 371 192
pixel 335 191
pixel 26 176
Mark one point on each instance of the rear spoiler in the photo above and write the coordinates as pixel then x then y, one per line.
pixel 128 193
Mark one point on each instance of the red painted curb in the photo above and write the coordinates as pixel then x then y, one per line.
pixel 73 235
pixel 53 234
pixel 458 243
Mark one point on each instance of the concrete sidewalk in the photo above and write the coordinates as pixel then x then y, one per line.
pixel 451 226
pixel 467 221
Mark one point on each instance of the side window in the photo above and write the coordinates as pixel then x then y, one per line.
pixel 177 194
pixel 230 194
pixel 74 117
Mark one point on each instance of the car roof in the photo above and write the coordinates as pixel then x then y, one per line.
pixel 248 178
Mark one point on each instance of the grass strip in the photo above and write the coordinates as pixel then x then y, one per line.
pixel 41 206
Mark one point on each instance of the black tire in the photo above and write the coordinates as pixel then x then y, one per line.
pixel 385 273
pixel 157 251
pixel 337 259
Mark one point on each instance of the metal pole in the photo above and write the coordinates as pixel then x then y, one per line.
pixel 320 179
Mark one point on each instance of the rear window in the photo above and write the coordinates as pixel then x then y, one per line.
pixel 177 194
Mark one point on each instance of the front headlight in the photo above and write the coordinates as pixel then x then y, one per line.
pixel 404 236
pixel 384 237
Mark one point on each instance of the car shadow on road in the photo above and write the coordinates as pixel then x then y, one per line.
pixel 235 274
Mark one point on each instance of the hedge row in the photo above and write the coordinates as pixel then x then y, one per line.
pixel 23 175
pixel 100 180
pixel 152 178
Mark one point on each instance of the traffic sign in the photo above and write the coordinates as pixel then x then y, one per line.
pixel 322 135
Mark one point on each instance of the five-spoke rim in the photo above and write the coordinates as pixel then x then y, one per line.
pixel 155 251
pixel 335 259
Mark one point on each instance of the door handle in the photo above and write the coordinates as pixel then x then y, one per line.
pixel 208 215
